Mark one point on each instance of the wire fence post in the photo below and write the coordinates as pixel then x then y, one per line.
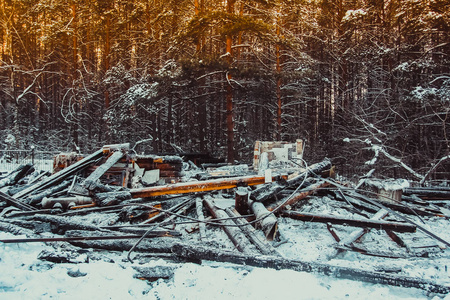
pixel 32 155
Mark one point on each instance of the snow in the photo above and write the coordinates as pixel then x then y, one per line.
pixel 352 15
pixel 109 275
pixel 30 278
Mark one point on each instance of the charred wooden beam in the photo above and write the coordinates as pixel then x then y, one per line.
pixel 300 195
pixel 429 193
pixel 61 175
pixel 233 232
pixel 85 238
pixel 197 186
pixel 89 182
pixel 309 217
pixel 373 202
pixel 269 190
pixel 278 263
pixel 357 234
pixel 14 202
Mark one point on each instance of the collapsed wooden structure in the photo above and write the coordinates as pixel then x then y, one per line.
pixel 247 206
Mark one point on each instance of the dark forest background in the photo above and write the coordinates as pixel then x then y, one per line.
pixel 356 79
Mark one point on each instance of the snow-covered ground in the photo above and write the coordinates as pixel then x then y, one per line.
pixel 96 274
pixel 24 276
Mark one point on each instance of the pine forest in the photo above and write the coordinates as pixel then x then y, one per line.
pixel 357 80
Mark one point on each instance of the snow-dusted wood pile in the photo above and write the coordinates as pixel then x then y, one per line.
pixel 299 218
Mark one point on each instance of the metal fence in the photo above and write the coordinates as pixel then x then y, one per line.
pixel 11 159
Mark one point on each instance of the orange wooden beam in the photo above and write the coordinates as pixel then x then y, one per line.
pixel 198 186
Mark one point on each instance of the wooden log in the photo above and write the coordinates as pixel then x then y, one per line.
pixel 300 195
pixel 13 177
pixel 278 263
pixel 61 175
pixel 250 232
pixel 15 202
pixel 59 224
pixel 84 238
pixel 200 217
pixel 34 199
pixel 29 213
pixel 111 198
pixel 241 200
pixel 196 186
pixel 233 232
pixel 269 190
pixel 267 220
pixel 309 217
pixel 434 193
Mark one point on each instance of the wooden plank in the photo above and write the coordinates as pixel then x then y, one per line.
pixel 89 182
pixel 61 175
pixel 197 186
pixel 309 217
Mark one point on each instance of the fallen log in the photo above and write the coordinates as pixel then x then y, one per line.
pixel 197 186
pixel 59 225
pixel 233 232
pixel 84 238
pixel 278 263
pixel 309 217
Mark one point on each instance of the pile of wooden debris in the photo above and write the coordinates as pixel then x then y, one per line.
pixel 163 206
